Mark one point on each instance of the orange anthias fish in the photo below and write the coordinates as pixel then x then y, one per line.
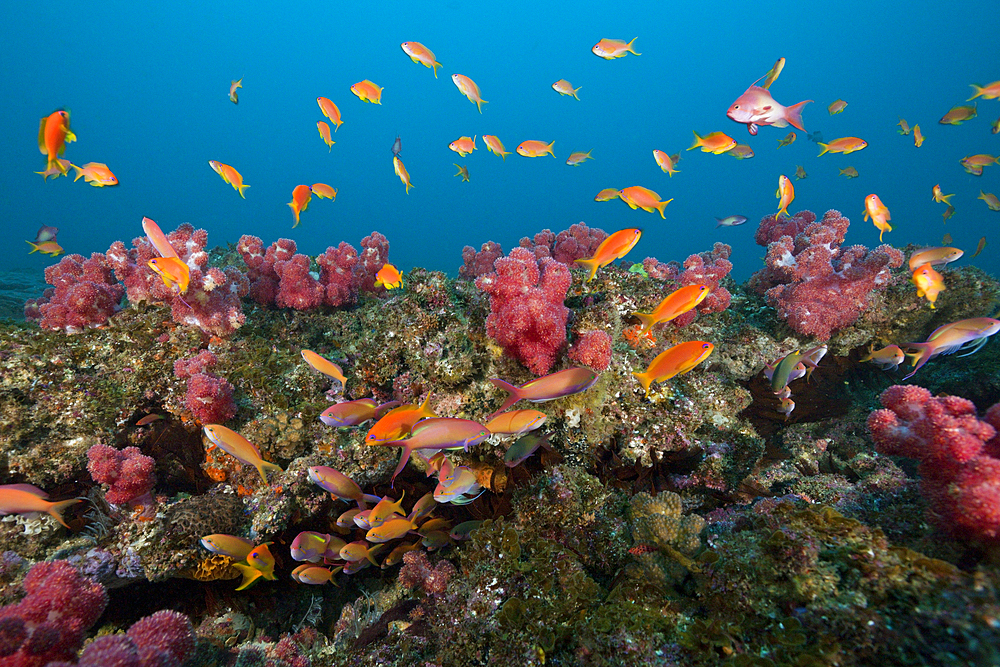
pixel 324 134
pixel 904 127
pixel 850 172
pixel 404 175
pixel 233 97
pixel 157 238
pixel 879 213
pixel 229 175
pixel 756 107
pixel 438 433
pixel 714 142
pixel 788 140
pixel 674 361
pixel 934 257
pixel 607 194
pixel 991 200
pixel 613 247
pixel 981 160
pixel 533 148
pixel 939 197
pixel 644 198
pixel 422 55
pixel 388 277
pixel 800 172
pixel 28 499
pixel 495 146
pixel 50 248
pixel 331 111
pixel 676 303
pixel 239 448
pixel 564 87
pixel 59 169
pixel 260 564
pixel 53 135
pixel 323 191
pixel 785 194
pixel 95 173
pixel 958 115
pixel 237 548
pixel 324 366
pixel 665 163
pixel 463 171
pixel 609 49
pixel 397 424
pixel 546 388
pixel 918 138
pixel 339 484
pixel 367 91
pixel 888 358
pixel 300 201
pixel 843 145
pixel 576 159
pixel 175 273
pixel 989 92
pixel 837 107
pixel 516 422
pixel 929 283
pixel 966 335
pixel 468 87
pixel 463 145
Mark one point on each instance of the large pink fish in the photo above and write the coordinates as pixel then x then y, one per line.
pixel 756 107
pixel 965 335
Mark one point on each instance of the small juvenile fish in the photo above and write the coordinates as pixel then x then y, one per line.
pixel 578 158
pixel 979 247
pixel 948 212
pixel 644 198
pixel 674 361
pixel 233 97
pixel 468 87
pixel 994 128
pixel 323 191
pixel 421 55
pixel 837 107
pixel 367 91
pixel 331 111
pixel 524 447
pixel 800 172
pixel 61 168
pixel 814 137
pixel 324 366
pixel 149 419
pixel 664 162
pixel 879 214
pixel 850 172
pixel 904 127
pixel 740 151
pixel 990 199
pixel 95 173
pixel 533 148
pixel 324 134
pixel 958 115
pixel 463 145
pixel 946 239
pixel 301 195
pixel 614 247
pixel 731 220
pixel 463 531
pixel 888 358
pixel 46 233
pixel 388 277
pixel 939 197
pixel 609 49
pixel 229 175
pixel 786 370
pixel 564 87
pixel 773 73
pixel 988 92
pixel 785 194
pixel 843 145
pixel 463 171
pixel 495 146
pixel 918 138
pixel 397 147
pixel 400 170
pixel 788 140
pixel 714 142
pixel 607 194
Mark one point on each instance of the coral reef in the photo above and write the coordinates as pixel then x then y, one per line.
pixel 84 295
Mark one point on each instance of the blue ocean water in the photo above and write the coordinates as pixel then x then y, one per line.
pixel 148 90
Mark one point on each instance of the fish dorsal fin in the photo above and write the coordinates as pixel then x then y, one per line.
pixel 27 488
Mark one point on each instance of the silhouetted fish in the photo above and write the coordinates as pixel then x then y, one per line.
pixel 815 137
pixel 397 147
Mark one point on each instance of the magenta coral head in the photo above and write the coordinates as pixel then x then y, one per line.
pixel 128 473
pixel 163 638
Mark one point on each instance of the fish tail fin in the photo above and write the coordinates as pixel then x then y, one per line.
pixel 645 380
pixel 630 49
pixel 404 458
pixel 371 554
pixel 33 246
pixel 435 68
pixel 513 395
pixel 647 322
pixel 250 575
pixel 919 358
pixel 575 90
pixel 591 265
pixel 697 142
pixel 425 407
pixel 264 467
pixel 504 154
pixel 826 148
pixel 550 150
pixel 79 170
pixel 793 114
pixel 240 190
pixel 672 171
pixel 662 205
pixel 55 510
pixel 979 91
